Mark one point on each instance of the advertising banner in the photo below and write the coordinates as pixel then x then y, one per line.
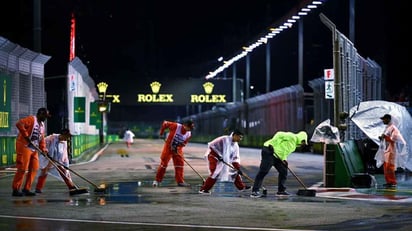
pixel 5 105
pixel 94 114
pixel 79 109
pixel 181 92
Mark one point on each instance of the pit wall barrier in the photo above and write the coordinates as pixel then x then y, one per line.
pixel 8 150
pixel 80 145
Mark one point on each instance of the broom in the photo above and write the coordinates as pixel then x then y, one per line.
pixel 97 188
pixel 264 190
pixel 301 192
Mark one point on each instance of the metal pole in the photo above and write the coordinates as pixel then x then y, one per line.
pixel 352 21
pixel 336 67
pixel 267 67
pixel 234 82
pixel 247 76
pixel 300 50
pixel 37 25
pixel 101 134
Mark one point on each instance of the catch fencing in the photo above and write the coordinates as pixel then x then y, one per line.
pixel 290 109
pixel 22 92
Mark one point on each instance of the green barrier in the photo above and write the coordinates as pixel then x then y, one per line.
pixel 7 151
pixel 82 143
pixel 79 145
pixel 344 166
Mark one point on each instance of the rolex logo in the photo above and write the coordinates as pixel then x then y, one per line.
pixel 155 97
pixel 155 87
pixel 102 87
pixel 208 87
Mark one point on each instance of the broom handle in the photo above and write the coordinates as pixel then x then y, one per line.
pixel 297 178
pixel 246 176
pixel 51 160
pixel 54 163
pixel 64 166
pixel 293 173
pixel 194 169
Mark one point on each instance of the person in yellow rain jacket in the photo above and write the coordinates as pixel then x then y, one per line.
pixel 275 152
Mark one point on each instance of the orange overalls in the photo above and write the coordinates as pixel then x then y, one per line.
pixel 392 135
pixel 27 159
pixel 173 149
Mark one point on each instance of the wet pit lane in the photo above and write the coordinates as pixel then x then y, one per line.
pixel 128 205
pixel 142 192
pixel 120 194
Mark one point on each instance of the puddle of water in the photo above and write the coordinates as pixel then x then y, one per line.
pixel 122 192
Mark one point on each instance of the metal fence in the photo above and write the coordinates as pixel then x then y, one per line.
pixel 23 92
pixel 356 79
pixel 259 117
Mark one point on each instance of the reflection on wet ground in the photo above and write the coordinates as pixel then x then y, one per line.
pixel 122 192
pixel 401 193
pixel 140 192
pixel 125 204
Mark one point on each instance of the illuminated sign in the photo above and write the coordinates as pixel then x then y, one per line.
pixel 72 38
pixel 155 97
pixel 180 92
pixel 114 98
pixel 102 88
pixel 208 98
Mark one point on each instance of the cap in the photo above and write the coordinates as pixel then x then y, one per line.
pixel 386 116
pixel 65 131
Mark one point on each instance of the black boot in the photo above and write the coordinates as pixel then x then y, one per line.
pixel 28 193
pixel 17 193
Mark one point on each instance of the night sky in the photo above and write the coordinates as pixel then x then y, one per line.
pixel 124 41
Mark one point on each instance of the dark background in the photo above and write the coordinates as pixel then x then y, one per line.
pixel 127 42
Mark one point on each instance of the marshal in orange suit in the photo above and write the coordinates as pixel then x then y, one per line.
pixel 31 132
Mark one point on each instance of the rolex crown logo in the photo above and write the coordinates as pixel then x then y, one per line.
pixel 155 87
pixel 208 86
pixel 102 87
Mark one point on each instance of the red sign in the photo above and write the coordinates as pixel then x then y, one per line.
pixel 329 74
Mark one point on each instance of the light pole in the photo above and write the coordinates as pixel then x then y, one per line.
pixel 103 107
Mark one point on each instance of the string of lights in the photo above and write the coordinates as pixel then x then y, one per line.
pixel 273 31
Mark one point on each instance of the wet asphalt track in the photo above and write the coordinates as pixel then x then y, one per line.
pixel 128 202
